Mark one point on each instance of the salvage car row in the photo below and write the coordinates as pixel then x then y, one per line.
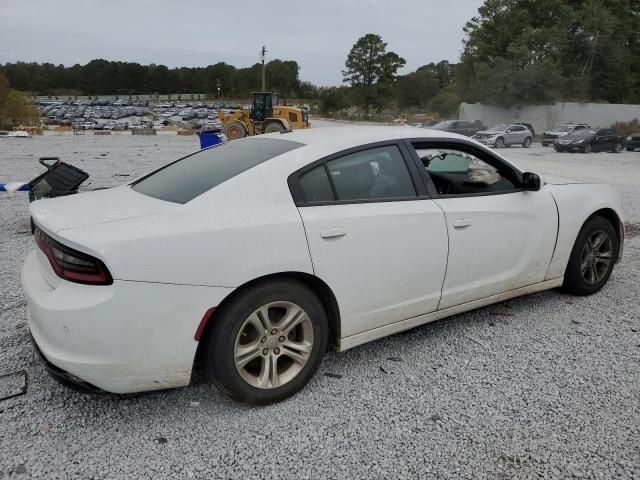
pixel 564 138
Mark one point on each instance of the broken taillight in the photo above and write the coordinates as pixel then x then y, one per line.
pixel 70 264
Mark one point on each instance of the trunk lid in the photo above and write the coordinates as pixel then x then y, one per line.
pixel 98 206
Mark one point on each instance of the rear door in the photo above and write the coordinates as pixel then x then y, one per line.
pixel 516 134
pixel 605 140
pixel 374 236
pixel 500 236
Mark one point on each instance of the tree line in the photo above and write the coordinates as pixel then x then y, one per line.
pixel 104 77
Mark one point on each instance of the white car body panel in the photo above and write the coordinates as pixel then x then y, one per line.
pixel 400 264
pixel 505 242
pixel 100 334
pixel 381 247
pixel 576 203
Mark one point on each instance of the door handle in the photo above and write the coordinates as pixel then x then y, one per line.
pixel 461 223
pixel 333 232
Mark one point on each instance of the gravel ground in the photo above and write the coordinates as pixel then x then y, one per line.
pixel 545 386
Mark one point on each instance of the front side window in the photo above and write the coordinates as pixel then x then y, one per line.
pixel 293 117
pixel 377 173
pixel 185 179
pixel 455 172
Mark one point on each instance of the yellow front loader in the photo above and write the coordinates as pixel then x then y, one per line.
pixel 265 116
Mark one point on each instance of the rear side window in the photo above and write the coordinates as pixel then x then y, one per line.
pixel 372 174
pixel 315 186
pixel 185 179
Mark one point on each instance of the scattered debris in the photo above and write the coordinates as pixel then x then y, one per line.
pixel 477 341
pixel 502 314
pixel 435 417
pixel 333 375
pixel 395 359
pixel 194 404
pixel 121 175
pixel 161 440
pixel 22 468
pixel 13 384
pixel 576 322
pixel 383 370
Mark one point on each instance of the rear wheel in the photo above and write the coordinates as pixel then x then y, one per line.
pixel 267 344
pixel 592 258
pixel 527 142
pixel 235 130
pixel 617 148
pixel 499 142
pixel 274 127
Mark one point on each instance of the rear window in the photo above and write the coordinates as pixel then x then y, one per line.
pixel 185 179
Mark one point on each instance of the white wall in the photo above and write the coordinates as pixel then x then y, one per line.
pixel 544 117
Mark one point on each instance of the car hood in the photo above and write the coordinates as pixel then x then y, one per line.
pixel 555 180
pixel 94 207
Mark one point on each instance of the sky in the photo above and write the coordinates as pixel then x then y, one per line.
pixel 189 33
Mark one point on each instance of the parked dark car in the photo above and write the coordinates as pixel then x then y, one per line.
pixel 461 127
pixel 529 126
pixel 549 136
pixel 591 140
pixel 633 142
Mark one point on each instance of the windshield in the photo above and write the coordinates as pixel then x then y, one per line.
pixel 562 129
pixel 498 128
pixel 185 179
pixel 443 125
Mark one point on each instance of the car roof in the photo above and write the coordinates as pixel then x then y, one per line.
pixel 352 136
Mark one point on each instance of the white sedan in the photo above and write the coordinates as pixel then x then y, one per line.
pixel 253 257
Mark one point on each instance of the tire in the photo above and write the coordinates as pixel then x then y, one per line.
pixel 587 148
pixel 274 127
pixel 527 142
pixel 235 130
pixel 630 149
pixel 586 280
pixel 499 142
pixel 617 148
pixel 241 326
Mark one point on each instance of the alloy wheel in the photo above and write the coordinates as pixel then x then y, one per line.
pixel 273 345
pixel 500 142
pixel 596 258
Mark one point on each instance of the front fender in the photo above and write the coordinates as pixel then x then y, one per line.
pixel 576 203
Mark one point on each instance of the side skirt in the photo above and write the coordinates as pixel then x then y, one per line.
pixel 358 339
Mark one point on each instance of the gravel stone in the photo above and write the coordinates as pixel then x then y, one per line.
pixel 549 391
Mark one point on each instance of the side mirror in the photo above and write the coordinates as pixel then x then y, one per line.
pixel 531 181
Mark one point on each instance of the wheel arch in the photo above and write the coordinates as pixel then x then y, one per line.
pixel 315 284
pixel 612 217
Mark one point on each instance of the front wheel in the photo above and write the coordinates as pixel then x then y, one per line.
pixel 592 258
pixel 526 143
pixel 235 130
pixel 274 127
pixel 587 148
pixel 617 147
pixel 267 344
pixel 499 142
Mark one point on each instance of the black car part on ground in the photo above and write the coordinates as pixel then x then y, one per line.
pixel 59 179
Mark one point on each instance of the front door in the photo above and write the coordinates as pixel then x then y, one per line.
pixel 373 237
pixel 500 236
